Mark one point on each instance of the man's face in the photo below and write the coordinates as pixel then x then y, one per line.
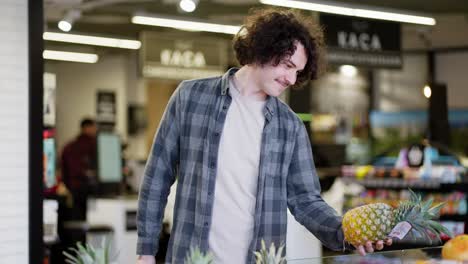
pixel 90 130
pixel 274 80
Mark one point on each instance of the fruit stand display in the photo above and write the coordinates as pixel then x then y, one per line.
pixel 378 221
pixel 436 178
pixel 429 255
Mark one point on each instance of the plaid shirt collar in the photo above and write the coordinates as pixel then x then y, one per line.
pixel 271 103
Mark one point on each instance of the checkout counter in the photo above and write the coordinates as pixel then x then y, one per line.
pixel 120 214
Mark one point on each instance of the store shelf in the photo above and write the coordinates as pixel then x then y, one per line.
pixel 417 184
pixel 455 217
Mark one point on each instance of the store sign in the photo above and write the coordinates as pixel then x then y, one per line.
pixel 362 42
pixel 168 56
pixel 106 110
pixel 187 58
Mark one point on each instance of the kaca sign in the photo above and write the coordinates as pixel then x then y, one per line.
pixel 363 42
pixel 179 57
pixel 185 58
pixel 360 41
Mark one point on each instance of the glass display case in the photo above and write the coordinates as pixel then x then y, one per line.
pixel 407 256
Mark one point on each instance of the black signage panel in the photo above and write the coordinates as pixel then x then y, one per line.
pixel 363 42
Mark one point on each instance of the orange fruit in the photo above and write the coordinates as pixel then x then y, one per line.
pixel 456 248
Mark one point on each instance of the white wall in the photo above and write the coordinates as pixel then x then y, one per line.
pixel 77 86
pixel 452 69
pixel 450 31
pixel 336 93
pixel 136 94
pixel 14 133
pixel 400 90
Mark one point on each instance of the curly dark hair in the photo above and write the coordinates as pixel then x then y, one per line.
pixel 269 35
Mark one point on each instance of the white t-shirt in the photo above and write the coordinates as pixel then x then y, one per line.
pixel 236 180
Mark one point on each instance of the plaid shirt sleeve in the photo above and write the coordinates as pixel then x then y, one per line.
pixel 304 199
pixel 159 175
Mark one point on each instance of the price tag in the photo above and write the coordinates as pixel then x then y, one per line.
pixel 400 230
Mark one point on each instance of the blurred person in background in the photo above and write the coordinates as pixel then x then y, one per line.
pixel 78 163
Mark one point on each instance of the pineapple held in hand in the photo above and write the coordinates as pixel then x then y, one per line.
pixel 374 222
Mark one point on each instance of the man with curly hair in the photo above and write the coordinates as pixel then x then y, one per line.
pixel 241 156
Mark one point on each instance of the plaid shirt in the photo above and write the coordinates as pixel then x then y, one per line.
pixel 186 145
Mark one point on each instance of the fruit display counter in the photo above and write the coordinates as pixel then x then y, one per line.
pixel 428 255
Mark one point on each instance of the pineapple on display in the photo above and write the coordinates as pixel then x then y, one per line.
pixel 270 256
pixel 264 256
pixel 87 254
pixel 374 222
pixel 197 257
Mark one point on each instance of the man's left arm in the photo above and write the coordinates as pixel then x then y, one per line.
pixel 308 207
pixel 304 200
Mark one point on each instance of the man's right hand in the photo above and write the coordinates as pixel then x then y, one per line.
pixel 146 259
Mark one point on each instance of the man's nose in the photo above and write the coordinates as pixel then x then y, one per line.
pixel 291 79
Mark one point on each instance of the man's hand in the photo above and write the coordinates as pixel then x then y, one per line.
pixel 369 247
pixel 146 259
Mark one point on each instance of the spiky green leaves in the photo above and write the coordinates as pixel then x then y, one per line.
pixel 195 256
pixel 421 216
pixel 87 254
pixel 270 256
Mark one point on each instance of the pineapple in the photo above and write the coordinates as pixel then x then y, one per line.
pixel 87 254
pixel 197 257
pixel 271 256
pixel 374 222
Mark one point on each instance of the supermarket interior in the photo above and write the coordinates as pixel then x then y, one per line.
pixel 85 85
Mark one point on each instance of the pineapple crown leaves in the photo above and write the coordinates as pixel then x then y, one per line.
pixel 195 256
pixel 270 256
pixel 87 254
pixel 434 227
pixel 415 207
pixel 420 215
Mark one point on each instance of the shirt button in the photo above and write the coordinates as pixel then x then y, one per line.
pixel 210 193
pixel 206 224
pixel 224 107
pixel 216 134
pixel 212 165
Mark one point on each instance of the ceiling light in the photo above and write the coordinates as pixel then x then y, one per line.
pixel 427 91
pixel 348 11
pixel 64 25
pixel 92 40
pixel 184 24
pixel 348 70
pixel 188 5
pixel 70 56
pixel 70 17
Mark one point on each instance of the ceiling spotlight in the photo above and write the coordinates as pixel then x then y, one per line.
pixel 64 25
pixel 427 91
pixel 348 70
pixel 188 5
pixel 70 17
